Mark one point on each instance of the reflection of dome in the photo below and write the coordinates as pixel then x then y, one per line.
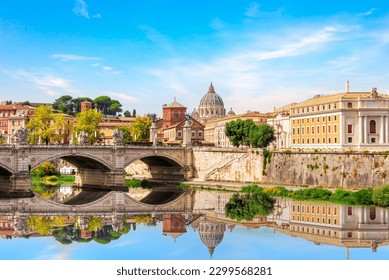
pixel 211 234
pixel 211 105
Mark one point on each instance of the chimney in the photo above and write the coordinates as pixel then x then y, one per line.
pixel 347 86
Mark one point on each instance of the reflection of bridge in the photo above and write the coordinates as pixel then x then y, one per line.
pixel 118 203
pixel 102 166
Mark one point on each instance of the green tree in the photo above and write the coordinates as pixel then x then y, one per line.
pixel 88 122
pixel 126 133
pixel 134 113
pixel 140 129
pixel 115 107
pixel 103 103
pixel 46 125
pixel 238 131
pixel 381 196
pixel 127 113
pixel 261 136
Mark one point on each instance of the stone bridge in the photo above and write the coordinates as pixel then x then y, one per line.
pixel 102 166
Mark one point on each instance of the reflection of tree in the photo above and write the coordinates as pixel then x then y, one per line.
pixel 87 229
pixel 44 225
pixel 246 206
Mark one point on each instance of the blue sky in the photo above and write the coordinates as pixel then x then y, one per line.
pixel 148 243
pixel 258 54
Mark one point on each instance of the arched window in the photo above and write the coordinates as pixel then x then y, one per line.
pixel 372 214
pixel 372 126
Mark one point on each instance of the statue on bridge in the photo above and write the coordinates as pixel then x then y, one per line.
pixel 21 135
pixel 83 138
pixel 117 136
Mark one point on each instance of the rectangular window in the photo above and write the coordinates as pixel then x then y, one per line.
pixel 200 133
pixel 349 128
pixel 334 118
pixel 302 121
pixel 302 130
pixel 193 133
pixel 317 129
pixel 329 140
pixel 307 129
pixel 334 128
pixel 298 131
pixel 313 140
pixel 324 129
pixel 324 140
pixel 313 130
pixel 175 115
pixel 324 119
pixel 179 134
pixel 293 131
pixel 349 211
pixel 329 118
pixel 349 105
pixel 335 140
pixel 329 129
pixel 349 140
pixel 307 141
pixel 294 141
pixel 373 140
pixel 318 140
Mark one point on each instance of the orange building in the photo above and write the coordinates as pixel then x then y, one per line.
pixel 173 113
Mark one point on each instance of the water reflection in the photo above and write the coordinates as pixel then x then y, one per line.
pixel 81 216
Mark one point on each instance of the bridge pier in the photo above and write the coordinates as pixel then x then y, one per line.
pixel 102 179
pixel 16 185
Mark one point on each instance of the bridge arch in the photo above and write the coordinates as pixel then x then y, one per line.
pixel 4 170
pixel 79 160
pixel 152 159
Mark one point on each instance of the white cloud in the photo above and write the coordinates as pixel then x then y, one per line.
pixel 73 57
pixel 81 9
pixel 247 72
pixel 306 44
pixel 156 37
pixel 217 24
pixel 368 13
pixel 96 16
pixel 107 68
pixel 123 96
pixel 252 10
pixel 49 83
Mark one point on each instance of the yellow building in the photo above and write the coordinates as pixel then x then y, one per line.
pixel 343 120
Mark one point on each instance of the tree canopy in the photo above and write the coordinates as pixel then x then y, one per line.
pixel 140 129
pixel 247 133
pixel 88 122
pixel 46 125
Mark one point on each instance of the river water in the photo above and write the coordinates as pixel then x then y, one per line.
pixel 184 225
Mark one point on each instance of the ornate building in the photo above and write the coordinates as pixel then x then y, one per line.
pixel 343 120
pixel 211 106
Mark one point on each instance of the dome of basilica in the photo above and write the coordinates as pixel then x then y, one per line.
pixel 211 105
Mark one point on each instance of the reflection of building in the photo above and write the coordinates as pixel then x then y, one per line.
pixel 6 227
pixel 214 130
pixel 173 226
pixel 338 225
pixel 211 232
